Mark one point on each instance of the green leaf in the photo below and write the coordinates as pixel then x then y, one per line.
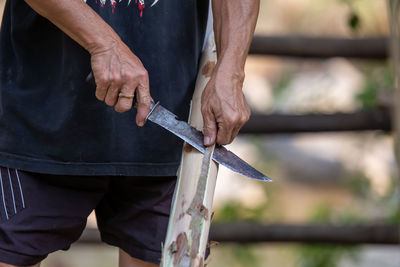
pixel 354 21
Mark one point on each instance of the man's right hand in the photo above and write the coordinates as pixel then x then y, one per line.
pixel 119 75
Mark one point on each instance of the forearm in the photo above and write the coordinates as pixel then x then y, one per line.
pixel 234 24
pixel 77 20
pixel 224 107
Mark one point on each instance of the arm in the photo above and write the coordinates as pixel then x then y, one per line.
pixel 224 107
pixel 115 68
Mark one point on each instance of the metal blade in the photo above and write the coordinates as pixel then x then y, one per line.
pixel 192 136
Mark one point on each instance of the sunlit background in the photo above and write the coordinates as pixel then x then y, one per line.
pixel 336 178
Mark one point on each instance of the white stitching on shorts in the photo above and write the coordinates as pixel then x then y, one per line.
pixel 2 193
pixel 20 189
pixel 12 190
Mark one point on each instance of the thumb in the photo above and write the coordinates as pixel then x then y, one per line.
pixel 209 129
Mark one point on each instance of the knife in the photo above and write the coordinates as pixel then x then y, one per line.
pixel 166 119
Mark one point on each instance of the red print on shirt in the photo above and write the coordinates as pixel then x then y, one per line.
pixel 141 4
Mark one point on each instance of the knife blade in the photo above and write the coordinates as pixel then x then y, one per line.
pixel 169 121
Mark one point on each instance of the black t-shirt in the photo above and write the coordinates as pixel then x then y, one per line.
pixel 50 120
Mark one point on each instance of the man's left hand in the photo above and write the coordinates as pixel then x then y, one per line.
pixel 223 106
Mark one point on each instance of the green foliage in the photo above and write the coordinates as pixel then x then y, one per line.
pixel 322 255
pixel 321 213
pixel 377 79
pixel 391 201
pixel 394 216
pixel 324 213
pixel 242 255
pixel 358 184
pixel 237 255
pixel 354 21
pixel 282 83
pixel 369 96
pixel 234 211
pixel 245 256
pixel 229 212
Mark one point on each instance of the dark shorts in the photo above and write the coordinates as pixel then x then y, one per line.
pixel 42 213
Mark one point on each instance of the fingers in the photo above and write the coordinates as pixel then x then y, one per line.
pixel 235 132
pixel 114 87
pixel 125 101
pixel 117 89
pixel 119 76
pixel 143 99
pixel 224 134
pixel 229 127
pixel 209 128
pixel 127 91
pixel 102 83
pixel 108 81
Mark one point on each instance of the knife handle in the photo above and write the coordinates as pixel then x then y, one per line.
pixel 90 79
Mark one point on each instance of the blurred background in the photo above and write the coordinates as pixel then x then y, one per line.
pixel 302 93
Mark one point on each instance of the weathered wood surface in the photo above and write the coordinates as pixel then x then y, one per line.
pixel 321 47
pixel 312 233
pixel 363 120
pixel 191 211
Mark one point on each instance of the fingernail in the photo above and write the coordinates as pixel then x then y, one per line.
pixel 207 140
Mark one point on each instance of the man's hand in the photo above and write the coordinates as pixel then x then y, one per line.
pixel 119 74
pixel 224 107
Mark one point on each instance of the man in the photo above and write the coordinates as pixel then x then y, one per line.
pixel 61 149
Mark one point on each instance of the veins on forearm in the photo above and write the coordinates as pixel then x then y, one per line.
pixel 234 24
